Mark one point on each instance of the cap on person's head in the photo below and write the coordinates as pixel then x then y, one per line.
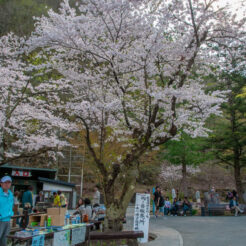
pixel 6 179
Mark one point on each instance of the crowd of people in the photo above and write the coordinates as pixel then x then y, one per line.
pixel 88 209
pixel 91 210
pixel 164 206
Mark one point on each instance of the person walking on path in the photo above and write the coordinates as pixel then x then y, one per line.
pixel 27 198
pixel 6 208
pixel 157 196
pixel 96 196
pixel 234 206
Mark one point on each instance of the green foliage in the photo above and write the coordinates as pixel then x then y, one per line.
pixel 187 150
pixel 17 15
pixel 229 136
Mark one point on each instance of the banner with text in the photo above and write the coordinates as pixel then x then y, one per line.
pixel 78 235
pixel 141 215
pixel 62 238
pixel 38 240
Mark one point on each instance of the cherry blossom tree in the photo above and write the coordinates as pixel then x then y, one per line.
pixel 27 126
pixel 173 175
pixel 134 74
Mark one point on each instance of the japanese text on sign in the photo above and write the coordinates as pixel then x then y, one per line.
pixel 141 215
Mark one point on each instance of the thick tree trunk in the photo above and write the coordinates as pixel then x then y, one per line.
pixel 184 174
pixel 238 180
pixel 116 205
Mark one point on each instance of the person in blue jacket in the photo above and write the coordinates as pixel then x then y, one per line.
pixel 27 198
pixel 6 208
pixel 234 206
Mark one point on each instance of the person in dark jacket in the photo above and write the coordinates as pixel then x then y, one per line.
pixel 186 206
pixel 175 207
pixel 157 196
pixel 234 206
pixel 40 197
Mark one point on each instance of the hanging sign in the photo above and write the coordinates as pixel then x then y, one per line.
pixel 38 240
pixel 62 238
pixel 78 235
pixel 141 215
pixel 19 173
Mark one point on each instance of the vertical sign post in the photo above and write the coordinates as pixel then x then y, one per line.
pixel 141 215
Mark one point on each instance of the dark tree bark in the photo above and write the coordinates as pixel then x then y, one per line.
pixel 184 178
pixel 237 176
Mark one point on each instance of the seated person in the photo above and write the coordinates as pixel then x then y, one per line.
pixel 86 208
pixel 234 206
pixel 175 207
pixel 167 206
pixel 98 212
pixel 187 206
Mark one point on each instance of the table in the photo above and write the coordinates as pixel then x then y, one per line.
pixel 49 235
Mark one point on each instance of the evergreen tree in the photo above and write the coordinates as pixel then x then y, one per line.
pixel 229 138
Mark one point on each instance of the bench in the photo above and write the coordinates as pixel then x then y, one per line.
pixel 216 209
pixel 130 236
pixel 220 209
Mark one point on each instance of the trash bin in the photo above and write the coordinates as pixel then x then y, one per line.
pixel 202 211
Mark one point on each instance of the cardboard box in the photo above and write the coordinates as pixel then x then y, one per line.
pixel 39 220
pixel 57 220
pixel 56 211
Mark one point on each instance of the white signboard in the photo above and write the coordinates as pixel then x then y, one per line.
pixel 78 235
pixel 141 215
pixel 19 173
pixel 62 238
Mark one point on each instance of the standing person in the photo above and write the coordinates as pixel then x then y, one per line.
pixel 96 196
pixel 234 205
pixel 157 196
pixel 27 198
pixel 177 194
pixel 6 208
pixel 16 198
pixel 40 197
pixel 161 204
pixel 63 199
pixel 198 197
pixel 56 202
pixel 173 194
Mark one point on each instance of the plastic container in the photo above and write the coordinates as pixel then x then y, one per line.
pixel 49 221
pixel 78 219
pixel 67 218
pixel 74 221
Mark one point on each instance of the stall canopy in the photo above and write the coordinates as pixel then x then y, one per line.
pixel 51 184
pixel 27 172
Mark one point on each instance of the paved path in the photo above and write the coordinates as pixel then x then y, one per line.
pixel 197 230
pixel 208 231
